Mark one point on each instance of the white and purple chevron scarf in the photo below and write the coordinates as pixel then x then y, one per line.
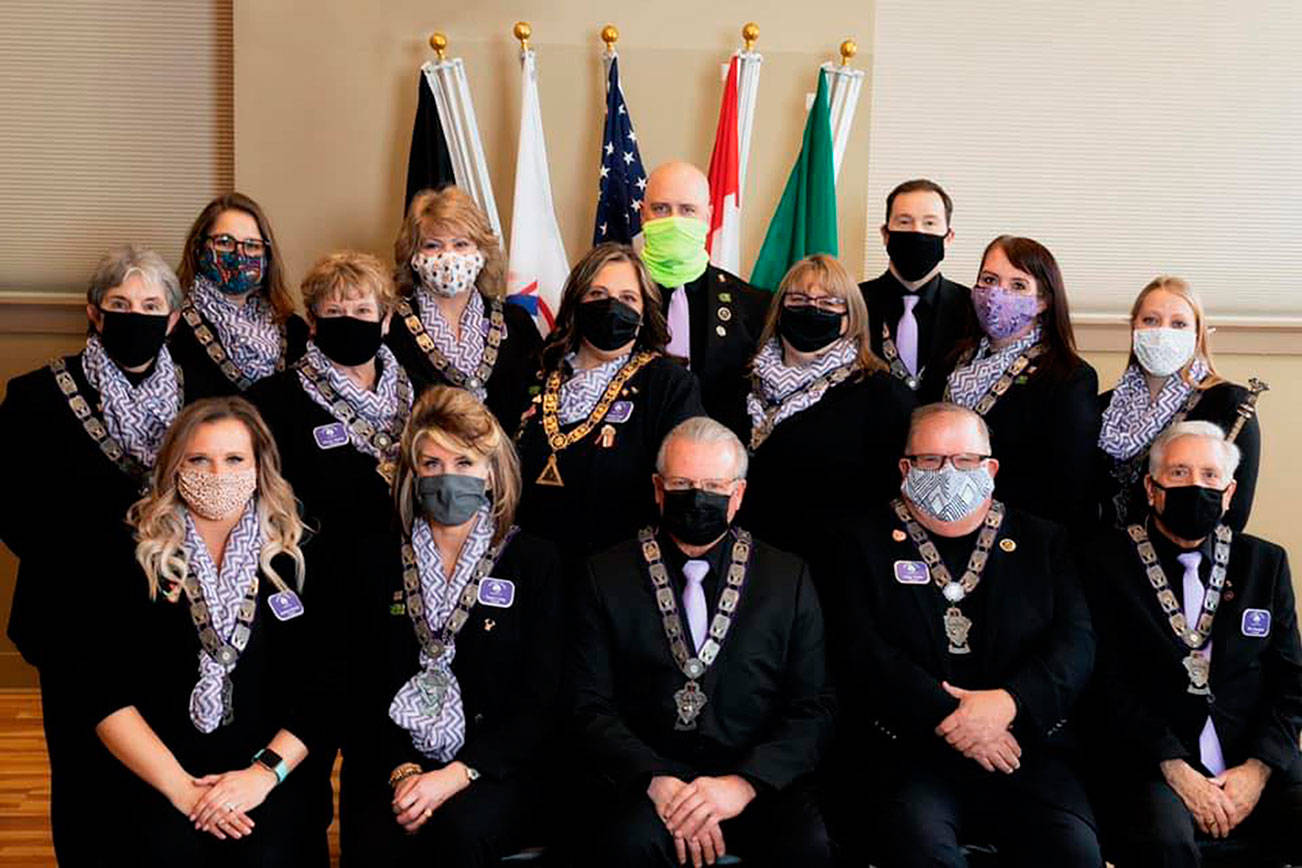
pixel 969 383
pixel 136 416
pixel 1134 418
pixel 464 355
pixel 248 332
pixel 584 387
pixel 383 407
pixel 781 383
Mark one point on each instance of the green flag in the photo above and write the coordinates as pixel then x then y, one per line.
pixel 805 221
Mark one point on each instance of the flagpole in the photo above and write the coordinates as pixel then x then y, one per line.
pixel 748 70
pixel 846 83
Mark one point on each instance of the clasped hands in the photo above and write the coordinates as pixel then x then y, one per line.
pixel 219 804
pixel 978 728
pixel 1220 803
pixel 692 812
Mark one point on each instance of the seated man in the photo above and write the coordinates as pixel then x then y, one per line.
pixel 961 642
pixel 701 696
pixel 1200 670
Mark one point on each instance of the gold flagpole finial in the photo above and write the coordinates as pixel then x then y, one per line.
pixel 522 31
pixel 849 49
pixel 750 34
pixel 439 43
pixel 610 35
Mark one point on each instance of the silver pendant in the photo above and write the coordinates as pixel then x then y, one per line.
pixel 957 626
pixel 1199 669
pixel 433 686
pixel 694 668
pixel 954 592
pixel 690 699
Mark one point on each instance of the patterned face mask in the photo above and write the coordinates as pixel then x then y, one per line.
pixel 448 273
pixel 233 273
pixel 1003 313
pixel 215 496
pixel 948 494
pixel 1163 351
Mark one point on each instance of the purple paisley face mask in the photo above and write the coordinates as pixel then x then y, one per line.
pixel 1003 313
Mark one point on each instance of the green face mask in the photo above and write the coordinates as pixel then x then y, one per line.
pixel 674 250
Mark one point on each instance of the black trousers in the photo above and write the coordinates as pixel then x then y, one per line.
pixel 922 815
pixel 783 828
pixel 1151 827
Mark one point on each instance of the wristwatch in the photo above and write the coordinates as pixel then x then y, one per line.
pixel 271 761
pixel 472 775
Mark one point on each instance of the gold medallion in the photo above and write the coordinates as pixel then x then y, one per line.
pixel 899 535
pixel 1008 545
pixel 551 474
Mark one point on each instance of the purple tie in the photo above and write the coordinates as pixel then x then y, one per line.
pixel 680 334
pixel 694 600
pixel 906 336
pixel 1209 745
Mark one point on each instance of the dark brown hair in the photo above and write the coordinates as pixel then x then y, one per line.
pixel 916 185
pixel 273 278
pixel 564 338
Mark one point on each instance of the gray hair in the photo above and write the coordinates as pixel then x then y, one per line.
pixel 1210 430
pixel 946 408
pixel 121 262
pixel 703 429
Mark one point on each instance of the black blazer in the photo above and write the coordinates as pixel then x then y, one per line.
pixel 837 458
pixel 1218 404
pixel 508 664
pixel 1256 682
pixel 942 312
pixel 607 494
pixel 513 373
pixel 204 378
pixel 727 316
pixel 769 709
pixel 1030 635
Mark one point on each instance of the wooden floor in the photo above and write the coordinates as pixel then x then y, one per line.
pixel 25 785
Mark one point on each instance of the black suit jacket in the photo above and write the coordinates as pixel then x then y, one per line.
pixel 769 708
pixel 1218 404
pixel 727 316
pixel 1256 682
pixel 942 312
pixel 204 378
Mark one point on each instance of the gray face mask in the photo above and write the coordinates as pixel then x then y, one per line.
pixel 450 499
pixel 948 494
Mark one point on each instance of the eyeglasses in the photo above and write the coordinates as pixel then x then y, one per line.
pixel 254 248
pixel 714 486
pixel 960 460
pixel 829 303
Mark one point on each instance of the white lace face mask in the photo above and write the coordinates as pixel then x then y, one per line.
pixel 215 496
pixel 1162 351
pixel 448 273
pixel 948 494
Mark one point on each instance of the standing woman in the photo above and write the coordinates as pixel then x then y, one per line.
pixel 463 637
pixel 238 323
pixel 213 748
pixel 1021 373
pixel 85 427
pixel 827 420
pixel 454 325
pixel 1170 378
pixel 607 398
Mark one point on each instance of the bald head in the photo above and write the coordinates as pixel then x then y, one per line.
pixel 676 189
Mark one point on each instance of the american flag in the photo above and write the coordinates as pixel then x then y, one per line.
pixel 623 180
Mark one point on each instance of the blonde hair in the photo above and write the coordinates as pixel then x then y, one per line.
pixel 456 420
pixel 830 274
pixel 348 274
pixel 452 210
pixel 1180 288
pixel 159 516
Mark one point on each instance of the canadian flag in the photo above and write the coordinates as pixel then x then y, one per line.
pixel 537 268
pixel 724 240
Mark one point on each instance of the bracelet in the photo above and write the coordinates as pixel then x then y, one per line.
pixel 402 772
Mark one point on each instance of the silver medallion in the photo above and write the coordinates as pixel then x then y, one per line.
pixel 433 686
pixel 954 592
pixel 1199 668
pixel 689 699
pixel 957 626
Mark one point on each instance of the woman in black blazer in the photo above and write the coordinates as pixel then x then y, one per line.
pixel 1169 377
pixel 1019 369
pixel 460 630
pixel 827 420
pixel 453 324
pixel 603 400
pixel 210 698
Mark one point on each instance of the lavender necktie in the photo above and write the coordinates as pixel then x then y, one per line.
pixel 694 600
pixel 906 335
pixel 680 333
pixel 1209 745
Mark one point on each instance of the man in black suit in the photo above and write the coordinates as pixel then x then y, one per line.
pixel 961 641
pixel 916 316
pixel 718 315
pixel 1201 670
pixel 697 660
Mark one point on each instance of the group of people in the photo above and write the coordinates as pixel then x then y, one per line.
pixel 844 574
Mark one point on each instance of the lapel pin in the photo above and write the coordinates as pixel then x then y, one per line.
pixel 725 314
pixel 489 624
pixel 1008 545
pixel 721 331
pixel 899 535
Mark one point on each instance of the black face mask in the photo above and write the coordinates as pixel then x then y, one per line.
pixel 914 254
pixel 1190 511
pixel 607 323
pixel 808 328
pixel 347 340
pixel 694 516
pixel 132 339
